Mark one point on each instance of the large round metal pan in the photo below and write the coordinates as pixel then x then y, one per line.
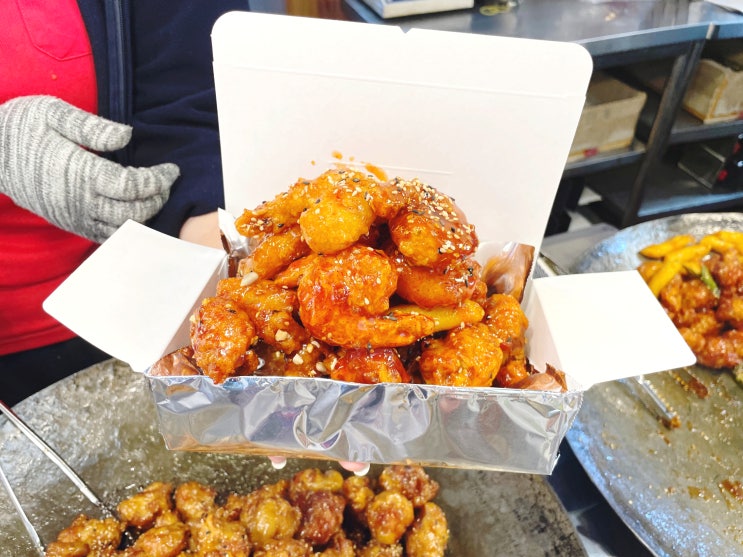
pixel 677 489
pixel 102 422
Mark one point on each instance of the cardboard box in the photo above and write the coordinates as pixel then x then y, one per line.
pixel 715 93
pixel 609 117
pixel 440 113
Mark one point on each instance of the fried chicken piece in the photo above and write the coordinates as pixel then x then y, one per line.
pixel 377 549
pixel 727 270
pixel 685 299
pixel 388 516
pixel 142 509
pixel 722 351
pixel 194 501
pixel 361 365
pixel 161 541
pixel 412 481
pixel 322 516
pixel 507 321
pixel 339 546
pixel 284 548
pixel 217 535
pixel 730 309
pixel 358 492
pixel 468 356
pixel 95 536
pixel 269 517
pixel 429 534
pixel 310 480
pixel 221 336
pixel 270 309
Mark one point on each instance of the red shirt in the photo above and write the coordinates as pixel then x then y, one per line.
pixel 44 49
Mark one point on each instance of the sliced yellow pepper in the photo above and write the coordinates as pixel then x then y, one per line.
pixel 445 318
pixel 658 251
pixel 688 253
pixel 664 275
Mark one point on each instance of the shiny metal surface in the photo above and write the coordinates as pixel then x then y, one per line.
pixel 103 423
pixel 602 27
pixel 678 489
pixel 497 429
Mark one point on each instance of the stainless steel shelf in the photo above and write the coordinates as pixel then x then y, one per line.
pixel 670 192
pixel 604 161
pixel 686 127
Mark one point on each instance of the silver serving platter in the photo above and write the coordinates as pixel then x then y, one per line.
pixel 102 422
pixel 666 484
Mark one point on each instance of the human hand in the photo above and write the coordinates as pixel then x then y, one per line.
pixel 358 468
pixel 47 167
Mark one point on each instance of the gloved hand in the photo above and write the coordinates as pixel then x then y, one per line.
pixel 358 468
pixel 45 168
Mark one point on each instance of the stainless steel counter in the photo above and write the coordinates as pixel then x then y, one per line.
pixel 604 28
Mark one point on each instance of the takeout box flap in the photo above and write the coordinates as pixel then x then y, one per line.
pixel 600 327
pixel 487 120
pixel 133 296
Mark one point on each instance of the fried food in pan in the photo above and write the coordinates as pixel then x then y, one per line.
pixel 311 514
pixel 699 283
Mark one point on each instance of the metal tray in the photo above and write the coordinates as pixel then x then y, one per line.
pixel 667 485
pixel 102 421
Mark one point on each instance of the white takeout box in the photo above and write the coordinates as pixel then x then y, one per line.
pixel 487 120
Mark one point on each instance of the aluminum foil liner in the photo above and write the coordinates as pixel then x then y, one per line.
pixel 514 430
pixel 487 428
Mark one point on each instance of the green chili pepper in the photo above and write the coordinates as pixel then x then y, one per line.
pixel 709 282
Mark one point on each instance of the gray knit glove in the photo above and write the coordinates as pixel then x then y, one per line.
pixel 46 168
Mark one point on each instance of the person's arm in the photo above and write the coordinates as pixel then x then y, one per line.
pixel 174 108
pixel 49 165
pixel 203 229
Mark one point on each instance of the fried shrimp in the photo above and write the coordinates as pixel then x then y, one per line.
pixel 431 231
pixel 274 253
pixel 340 216
pixel 332 211
pixel 429 287
pixel 344 300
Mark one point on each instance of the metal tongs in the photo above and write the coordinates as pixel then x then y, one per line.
pixel 639 386
pixel 59 462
